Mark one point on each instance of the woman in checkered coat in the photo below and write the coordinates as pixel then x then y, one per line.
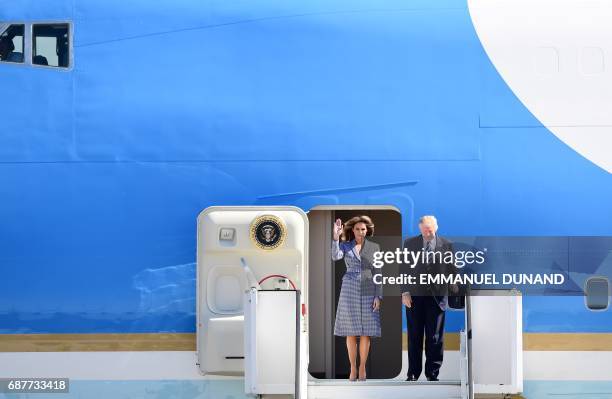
pixel 358 313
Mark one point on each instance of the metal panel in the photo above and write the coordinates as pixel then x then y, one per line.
pixel 497 341
pixel 271 340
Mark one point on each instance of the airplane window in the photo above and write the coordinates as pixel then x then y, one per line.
pixel 11 44
pixel 597 290
pixel 51 45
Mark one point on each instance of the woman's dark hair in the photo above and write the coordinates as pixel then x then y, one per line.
pixel 347 231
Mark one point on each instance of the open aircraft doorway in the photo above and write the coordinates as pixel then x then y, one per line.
pixel 328 357
pixel 266 318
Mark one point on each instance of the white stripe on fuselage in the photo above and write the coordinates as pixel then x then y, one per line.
pixel 120 366
pixel 555 56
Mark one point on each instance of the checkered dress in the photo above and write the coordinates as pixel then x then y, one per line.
pixel 355 316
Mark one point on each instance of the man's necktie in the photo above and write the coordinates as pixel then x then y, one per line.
pixel 429 260
pixel 427 250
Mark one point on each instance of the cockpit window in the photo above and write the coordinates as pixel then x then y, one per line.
pixel 51 45
pixel 11 44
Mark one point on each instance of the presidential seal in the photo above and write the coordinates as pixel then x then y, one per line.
pixel 268 232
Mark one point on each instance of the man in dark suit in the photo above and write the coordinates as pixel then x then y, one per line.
pixel 426 304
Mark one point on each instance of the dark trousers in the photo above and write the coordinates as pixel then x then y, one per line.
pixel 425 319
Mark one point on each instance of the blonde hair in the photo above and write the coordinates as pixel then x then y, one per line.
pixel 347 231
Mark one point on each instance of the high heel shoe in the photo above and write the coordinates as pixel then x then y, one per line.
pixel 362 378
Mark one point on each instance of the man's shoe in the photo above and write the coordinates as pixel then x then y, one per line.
pixel 411 378
pixel 432 379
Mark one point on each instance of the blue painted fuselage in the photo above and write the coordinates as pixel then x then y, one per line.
pixel 172 107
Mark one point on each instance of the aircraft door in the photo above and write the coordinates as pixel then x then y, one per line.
pixel 245 255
